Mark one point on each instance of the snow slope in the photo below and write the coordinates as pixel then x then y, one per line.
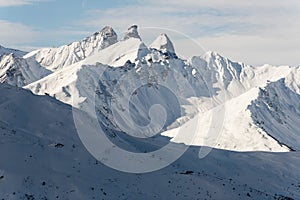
pixel 57 58
pixel 277 110
pixel 238 131
pixel 84 86
pixel 20 72
pixel 246 125
pixel 43 158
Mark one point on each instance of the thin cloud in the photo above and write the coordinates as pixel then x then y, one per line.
pixel 11 3
pixel 255 30
pixel 16 33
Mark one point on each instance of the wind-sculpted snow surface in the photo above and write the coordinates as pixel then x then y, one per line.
pixel 42 157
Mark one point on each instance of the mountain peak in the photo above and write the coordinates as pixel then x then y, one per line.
pixel 163 43
pixel 104 38
pixel 132 32
pixel 60 57
pixel 212 54
pixel 108 32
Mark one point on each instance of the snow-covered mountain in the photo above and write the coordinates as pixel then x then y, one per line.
pixel 131 89
pixel 19 72
pixel 42 157
pixel 57 58
pixel 277 111
pixel 231 79
pixel 6 51
pixel 124 67
pixel 204 85
pixel 239 88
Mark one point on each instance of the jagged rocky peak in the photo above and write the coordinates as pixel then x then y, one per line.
pixel 108 31
pixel 214 58
pixel 163 43
pixel 212 55
pixel 106 37
pixel 108 34
pixel 132 32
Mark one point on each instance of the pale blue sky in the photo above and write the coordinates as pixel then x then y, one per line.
pixel 255 32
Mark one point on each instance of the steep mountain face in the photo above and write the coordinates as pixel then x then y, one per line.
pixel 232 79
pixel 6 51
pixel 236 130
pixel 60 57
pixel 277 110
pixel 19 72
pixel 132 32
pixel 42 157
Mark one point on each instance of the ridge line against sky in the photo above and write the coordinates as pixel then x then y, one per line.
pixel 255 32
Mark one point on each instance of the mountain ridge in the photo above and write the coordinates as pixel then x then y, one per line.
pixel 5 51
pixel 57 58
pixel 210 76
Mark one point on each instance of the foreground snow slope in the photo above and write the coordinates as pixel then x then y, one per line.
pixel 43 158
